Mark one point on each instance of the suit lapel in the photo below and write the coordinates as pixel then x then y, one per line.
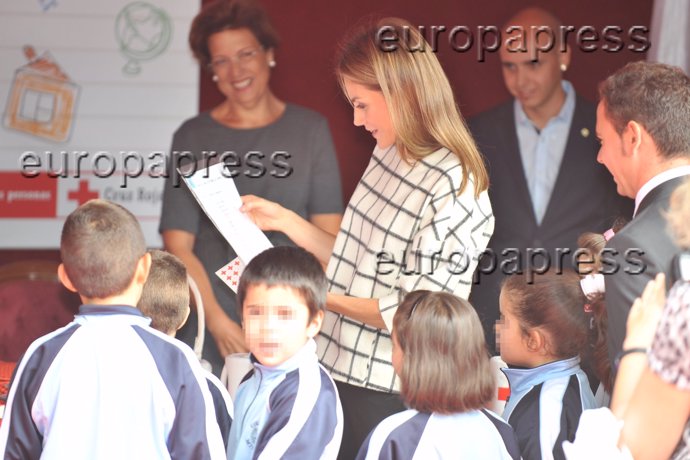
pixel 660 194
pixel 513 162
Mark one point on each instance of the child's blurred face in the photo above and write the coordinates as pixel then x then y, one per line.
pixel 276 323
pixel 511 341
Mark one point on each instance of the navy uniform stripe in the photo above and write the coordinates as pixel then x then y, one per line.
pixel 281 403
pixel 525 421
pixel 401 442
pixel 189 431
pixel 570 416
pixel 220 405
pixel 507 434
pixel 24 442
pixel 404 439
pixel 318 430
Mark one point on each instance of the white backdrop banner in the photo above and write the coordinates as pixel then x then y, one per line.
pixel 91 92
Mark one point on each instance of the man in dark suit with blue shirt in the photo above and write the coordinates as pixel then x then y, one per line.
pixel 546 185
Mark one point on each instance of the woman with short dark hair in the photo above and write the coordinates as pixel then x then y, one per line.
pixel 277 150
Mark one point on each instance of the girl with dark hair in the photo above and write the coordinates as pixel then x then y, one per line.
pixel 543 334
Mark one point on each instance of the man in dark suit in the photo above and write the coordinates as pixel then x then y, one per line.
pixel 643 122
pixel 546 185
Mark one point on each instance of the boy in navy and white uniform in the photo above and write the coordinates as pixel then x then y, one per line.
pixel 165 299
pixel 107 385
pixel 288 406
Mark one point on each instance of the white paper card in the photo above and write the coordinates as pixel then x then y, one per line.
pixel 218 197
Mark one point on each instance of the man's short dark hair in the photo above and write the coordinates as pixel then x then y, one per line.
pixel 655 95
pixel 287 266
pixel 165 298
pixel 100 247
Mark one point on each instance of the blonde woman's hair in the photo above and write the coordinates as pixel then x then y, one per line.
pixel 678 215
pixel 445 361
pixel 421 103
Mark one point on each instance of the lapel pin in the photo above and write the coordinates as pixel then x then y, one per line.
pixel 584 132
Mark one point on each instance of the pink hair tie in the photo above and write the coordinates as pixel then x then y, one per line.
pixel 608 234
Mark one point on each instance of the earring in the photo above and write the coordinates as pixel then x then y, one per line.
pixel 272 63
pixel 215 78
pixel 564 67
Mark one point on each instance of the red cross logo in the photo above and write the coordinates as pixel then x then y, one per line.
pixel 82 194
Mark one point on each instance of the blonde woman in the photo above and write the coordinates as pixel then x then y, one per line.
pixel 418 219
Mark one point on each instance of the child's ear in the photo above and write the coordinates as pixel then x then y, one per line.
pixel 314 325
pixel 536 341
pixel 143 267
pixel 186 317
pixel 64 279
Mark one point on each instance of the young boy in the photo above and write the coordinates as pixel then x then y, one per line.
pixel 288 406
pixel 165 299
pixel 107 385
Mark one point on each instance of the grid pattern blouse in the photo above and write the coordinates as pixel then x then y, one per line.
pixel 406 228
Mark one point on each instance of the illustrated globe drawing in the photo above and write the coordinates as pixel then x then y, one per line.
pixel 142 31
